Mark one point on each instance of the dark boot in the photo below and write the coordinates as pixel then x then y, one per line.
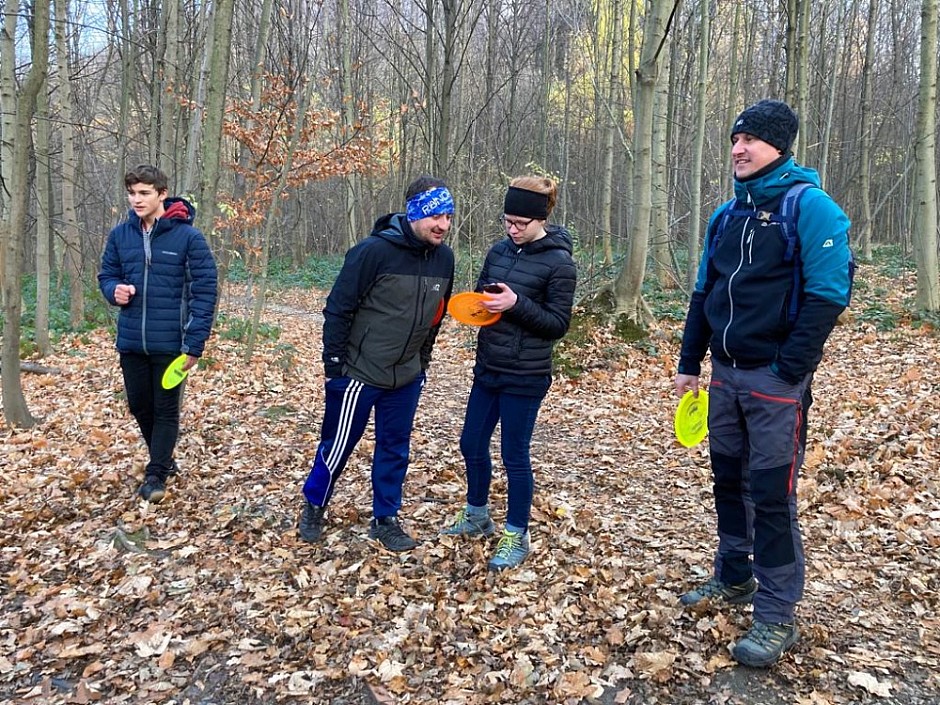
pixel 310 526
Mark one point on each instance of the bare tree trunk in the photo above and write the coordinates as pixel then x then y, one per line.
pixel 188 179
pixel 44 209
pixel 73 243
pixel 734 83
pixel 611 111
pixel 659 195
pixel 866 134
pixel 212 137
pixel 629 284
pixel 546 85
pixel 347 93
pixel 802 80
pixel 792 50
pixel 169 91
pixel 127 79
pixel 925 157
pixel 7 119
pixel 698 147
pixel 15 410
pixel 442 135
pixel 830 102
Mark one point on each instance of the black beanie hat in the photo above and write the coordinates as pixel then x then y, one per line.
pixel 770 120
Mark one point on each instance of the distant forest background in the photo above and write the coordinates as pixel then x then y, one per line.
pixel 293 124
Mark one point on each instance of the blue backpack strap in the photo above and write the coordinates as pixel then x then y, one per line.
pixel 789 216
pixel 729 209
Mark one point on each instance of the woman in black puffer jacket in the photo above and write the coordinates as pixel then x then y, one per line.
pixel 530 278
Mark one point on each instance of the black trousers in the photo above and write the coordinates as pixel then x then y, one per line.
pixel 156 409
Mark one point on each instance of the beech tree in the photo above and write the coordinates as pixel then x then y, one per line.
pixel 13 225
pixel 925 155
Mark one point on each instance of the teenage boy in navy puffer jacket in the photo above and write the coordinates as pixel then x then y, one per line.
pixel 159 269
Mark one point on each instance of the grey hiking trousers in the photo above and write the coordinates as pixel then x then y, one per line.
pixel 757 437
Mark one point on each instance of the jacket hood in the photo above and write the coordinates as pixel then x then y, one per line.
pixel 774 183
pixel 395 228
pixel 173 209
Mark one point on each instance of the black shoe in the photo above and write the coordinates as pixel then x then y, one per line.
pixel 174 470
pixel 389 532
pixel 153 489
pixel 310 526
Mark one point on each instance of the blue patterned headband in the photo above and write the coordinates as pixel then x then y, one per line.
pixel 437 201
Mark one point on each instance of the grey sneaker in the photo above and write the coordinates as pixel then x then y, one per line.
pixel 511 550
pixel 714 589
pixel 470 525
pixel 310 526
pixel 390 534
pixel 153 489
pixel 765 643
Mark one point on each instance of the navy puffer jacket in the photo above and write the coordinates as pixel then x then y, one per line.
pixel 543 275
pixel 176 281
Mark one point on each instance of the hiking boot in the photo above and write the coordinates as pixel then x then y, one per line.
pixel 390 534
pixel 765 643
pixel 310 526
pixel 466 524
pixel 714 589
pixel 153 489
pixel 511 550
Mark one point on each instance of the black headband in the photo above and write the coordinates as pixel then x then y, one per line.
pixel 528 204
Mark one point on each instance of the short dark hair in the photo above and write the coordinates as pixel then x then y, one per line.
pixel 146 174
pixel 423 183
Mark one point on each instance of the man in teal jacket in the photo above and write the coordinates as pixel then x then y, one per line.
pixel 765 312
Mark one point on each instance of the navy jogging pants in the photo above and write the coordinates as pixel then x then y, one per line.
pixel 348 406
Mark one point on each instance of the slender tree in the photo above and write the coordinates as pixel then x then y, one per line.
pixel 207 193
pixel 12 228
pixel 44 209
pixel 865 135
pixel 698 147
pixel 629 284
pixel 611 116
pixel 925 156
pixel 71 235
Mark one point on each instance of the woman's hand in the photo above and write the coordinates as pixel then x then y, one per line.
pixel 504 300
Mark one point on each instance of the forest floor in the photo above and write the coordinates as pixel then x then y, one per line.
pixel 210 598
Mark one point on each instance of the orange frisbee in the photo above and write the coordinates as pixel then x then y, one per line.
pixel 467 307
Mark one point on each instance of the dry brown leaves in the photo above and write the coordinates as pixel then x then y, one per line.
pixel 211 595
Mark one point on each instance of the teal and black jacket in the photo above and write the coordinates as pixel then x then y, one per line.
pixel 385 309
pixel 739 308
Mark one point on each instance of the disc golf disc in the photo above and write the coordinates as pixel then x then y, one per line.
pixel 467 307
pixel 692 418
pixel 174 374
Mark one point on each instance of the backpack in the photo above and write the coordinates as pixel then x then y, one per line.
pixel 787 218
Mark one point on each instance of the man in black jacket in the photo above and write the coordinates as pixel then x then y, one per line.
pixel 380 322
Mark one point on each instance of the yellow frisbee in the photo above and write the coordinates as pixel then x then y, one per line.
pixel 174 373
pixel 692 418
